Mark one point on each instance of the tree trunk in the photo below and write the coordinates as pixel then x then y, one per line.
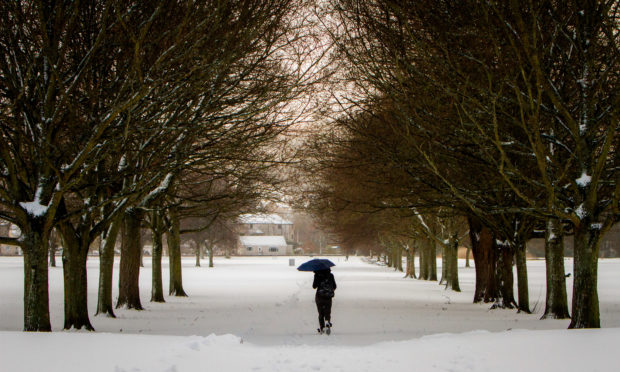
pixel 174 253
pixel 432 261
pixel 413 273
pixel 585 307
pixel 484 261
pixel 74 258
pixel 444 265
pixel 53 250
pixel 410 273
pixel 522 282
pixel 157 284
pixel 75 282
pixel 452 269
pixel 504 275
pixel 129 275
pixel 106 269
pixel 54 245
pixel 424 250
pixel 210 248
pixel 77 241
pixel 398 256
pixel 556 301
pixel 475 236
pixel 36 287
pixel 408 267
pixel 428 260
pixel 467 252
pixel 141 255
pixel 197 251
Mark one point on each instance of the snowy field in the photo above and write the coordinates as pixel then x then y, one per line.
pixel 258 314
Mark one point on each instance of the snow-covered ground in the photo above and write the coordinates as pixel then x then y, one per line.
pixel 258 314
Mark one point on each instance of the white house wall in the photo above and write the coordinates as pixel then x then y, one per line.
pixel 263 250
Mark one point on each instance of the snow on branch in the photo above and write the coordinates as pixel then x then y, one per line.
pixel 35 208
pixel 163 187
pixel 584 180
pixel 581 212
pixel 122 164
pixel 421 220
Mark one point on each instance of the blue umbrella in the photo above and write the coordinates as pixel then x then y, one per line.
pixel 316 265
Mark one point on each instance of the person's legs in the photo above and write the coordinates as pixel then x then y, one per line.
pixel 320 306
pixel 328 311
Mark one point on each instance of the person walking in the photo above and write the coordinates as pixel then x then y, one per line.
pixel 325 285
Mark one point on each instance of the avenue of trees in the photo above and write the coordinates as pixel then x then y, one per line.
pixel 119 115
pixel 496 119
pixel 487 121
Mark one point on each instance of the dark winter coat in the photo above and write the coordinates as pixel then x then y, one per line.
pixel 321 276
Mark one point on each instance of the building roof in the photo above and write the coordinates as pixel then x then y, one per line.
pixel 263 219
pixel 273 241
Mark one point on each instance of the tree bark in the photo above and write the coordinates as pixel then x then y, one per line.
pixel 413 273
pixel 408 266
pixel 522 281
pixel 556 301
pixel 74 258
pixel 54 246
pixel 467 257
pixel 428 260
pixel 174 253
pixel 585 307
pixel 53 255
pixel 36 287
pixel 423 265
pixel 106 269
pixel 210 249
pixel 77 241
pixel 198 253
pixel 141 255
pixel 444 265
pixel 410 273
pixel 398 256
pixel 157 284
pixel 432 260
pixel 424 275
pixel 452 269
pixel 504 275
pixel 129 275
pixel 484 258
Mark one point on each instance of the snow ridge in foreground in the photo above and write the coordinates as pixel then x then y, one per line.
pixel 517 350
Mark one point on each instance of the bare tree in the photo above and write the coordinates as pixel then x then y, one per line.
pixel 516 97
pixel 156 85
pixel 51 84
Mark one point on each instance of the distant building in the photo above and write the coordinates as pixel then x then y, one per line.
pixel 11 231
pixel 267 245
pixel 266 224
pixel 265 234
